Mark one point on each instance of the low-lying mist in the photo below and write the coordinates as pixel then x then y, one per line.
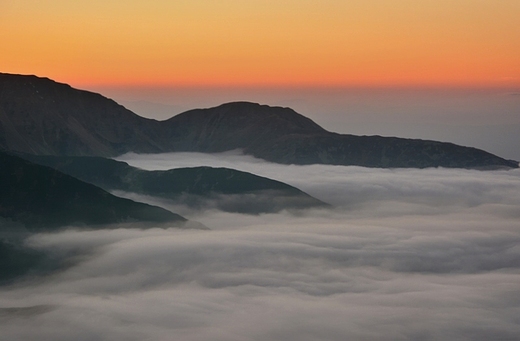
pixel 358 187
pixel 427 254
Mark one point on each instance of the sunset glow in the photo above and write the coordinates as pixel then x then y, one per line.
pixel 264 42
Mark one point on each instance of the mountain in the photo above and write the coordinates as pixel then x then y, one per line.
pixel 199 187
pixel 236 125
pixel 42 199
pixel 283 136
pixel 42 117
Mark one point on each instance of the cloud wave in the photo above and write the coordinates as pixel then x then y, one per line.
pixel 409 255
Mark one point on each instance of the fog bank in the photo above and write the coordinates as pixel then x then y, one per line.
pixel 404 255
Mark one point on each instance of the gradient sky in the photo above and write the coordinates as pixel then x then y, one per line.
pixel 264 42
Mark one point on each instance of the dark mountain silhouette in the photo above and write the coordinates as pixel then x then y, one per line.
pixel 235 125
pixel 283 136
pixel 43 198
pixel 226 189
pixel 40 116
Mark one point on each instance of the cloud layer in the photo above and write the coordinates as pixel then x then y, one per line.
pixel 406 254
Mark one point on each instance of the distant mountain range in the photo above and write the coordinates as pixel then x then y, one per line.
pixel 39 116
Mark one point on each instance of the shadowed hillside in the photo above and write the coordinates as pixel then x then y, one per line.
pixel 227 189
pixel 42 198
pixel 40 116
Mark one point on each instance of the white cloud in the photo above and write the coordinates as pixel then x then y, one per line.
pixel 407 254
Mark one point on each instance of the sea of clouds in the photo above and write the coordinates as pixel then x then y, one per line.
pixel 404 254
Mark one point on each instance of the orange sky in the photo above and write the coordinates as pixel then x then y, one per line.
pixel 264 42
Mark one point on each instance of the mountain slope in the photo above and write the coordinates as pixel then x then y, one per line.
pixel 42 117
pixel 236 125
pixel 376 151
pixel 226 189
pixel 283 136
pixel 42 198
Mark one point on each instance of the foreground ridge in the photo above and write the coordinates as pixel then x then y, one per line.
pixel 43 199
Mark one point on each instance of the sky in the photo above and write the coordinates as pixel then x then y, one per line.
pixel 472 43
pixel 404 254
pixel 432 69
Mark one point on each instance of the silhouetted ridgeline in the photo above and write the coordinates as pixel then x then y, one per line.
pixel 42 117
pixel 226 189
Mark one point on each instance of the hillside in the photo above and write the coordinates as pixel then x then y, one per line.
pixel 43 117
pixel 283 136
pixel 43 199
pixel 226 189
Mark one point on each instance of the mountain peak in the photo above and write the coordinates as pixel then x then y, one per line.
pixel 236 125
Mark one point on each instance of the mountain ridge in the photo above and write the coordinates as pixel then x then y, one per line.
pixel 195 187
pixel 43 198
pixel 43 117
